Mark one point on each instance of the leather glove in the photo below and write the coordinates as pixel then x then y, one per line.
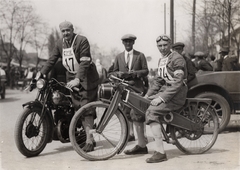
pixel 73 83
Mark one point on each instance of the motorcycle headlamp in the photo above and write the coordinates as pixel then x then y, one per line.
pixel 40 83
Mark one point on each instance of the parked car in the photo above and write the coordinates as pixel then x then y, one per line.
pixel 223 88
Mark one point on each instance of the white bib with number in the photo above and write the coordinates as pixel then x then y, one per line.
pixel 162 70
pixel 69 60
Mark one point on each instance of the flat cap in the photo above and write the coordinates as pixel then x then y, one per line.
pixel 177 44
pixel 65 25
pixel 224 49
pixel 129 37
pixel 199 54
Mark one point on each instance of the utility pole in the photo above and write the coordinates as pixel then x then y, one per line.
pixel 164 18
pixel 229 22
pixel 193 26
pixel 172 20
pixel 175 31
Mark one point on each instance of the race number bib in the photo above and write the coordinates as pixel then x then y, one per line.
pixel 162 70
pixel 69 60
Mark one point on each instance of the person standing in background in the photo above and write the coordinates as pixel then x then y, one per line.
pixel 223 52
pixel 111 67
pixel 132 65
pixel 102 72
pixel 202 63
pixel 227 61
pixel 192 70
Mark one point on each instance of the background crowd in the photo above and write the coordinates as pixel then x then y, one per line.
pixel 202 62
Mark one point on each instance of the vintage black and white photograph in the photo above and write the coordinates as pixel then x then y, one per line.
pixel 119 84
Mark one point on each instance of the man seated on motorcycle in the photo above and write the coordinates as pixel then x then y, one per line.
pixel 167 93
pixel 74 50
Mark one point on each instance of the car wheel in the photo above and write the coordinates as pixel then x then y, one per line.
pixel 221 106
pixel 3 93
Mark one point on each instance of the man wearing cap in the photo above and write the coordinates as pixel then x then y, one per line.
pixel 167 93
pixel 202 63
pixel 178 47
pixel 223 52
pixel 132 66
pixel 81 72
pixel 227 61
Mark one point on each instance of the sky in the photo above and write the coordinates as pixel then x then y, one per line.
pixel 104 22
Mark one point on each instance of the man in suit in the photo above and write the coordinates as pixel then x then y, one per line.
pixel 81 72
pixel 133 65
pixel 227 61
pixel 202 63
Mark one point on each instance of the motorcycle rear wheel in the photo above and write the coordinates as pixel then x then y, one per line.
pixel 199 141
pixel 109 142
pixel 29 141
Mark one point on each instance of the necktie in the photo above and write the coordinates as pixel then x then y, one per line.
pixel 128 60
pixel 68 44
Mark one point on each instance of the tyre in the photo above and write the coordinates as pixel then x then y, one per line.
pixel 29 140
pixel 3 93
pixel 108 143
pixel 221 106
pixel 201 140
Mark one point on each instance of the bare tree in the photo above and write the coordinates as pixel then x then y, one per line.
pixel 226 21
pixel 9 30
pixel 52 38
pixel 39 40
pixel 18 25
pixel 217 22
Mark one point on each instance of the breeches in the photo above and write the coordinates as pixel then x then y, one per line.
pixel 83 97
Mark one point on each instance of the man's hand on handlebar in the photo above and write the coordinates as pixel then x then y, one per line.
pixel 73 83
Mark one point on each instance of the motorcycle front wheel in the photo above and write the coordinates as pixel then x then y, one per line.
pixel 30 140
pixel 107 143
pixel 201 140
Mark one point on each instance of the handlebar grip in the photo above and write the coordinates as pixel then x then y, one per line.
pixel 76 89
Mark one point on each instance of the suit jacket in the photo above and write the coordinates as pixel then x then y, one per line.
pixel 139 67
pixel 227 64
pixel 204 65
pixel 87 72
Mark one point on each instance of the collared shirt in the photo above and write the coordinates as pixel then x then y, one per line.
pixel 131 57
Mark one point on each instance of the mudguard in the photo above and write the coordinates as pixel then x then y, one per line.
pixel 36 103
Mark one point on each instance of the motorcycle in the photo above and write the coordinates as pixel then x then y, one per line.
pixel 193 129
pixel 45 119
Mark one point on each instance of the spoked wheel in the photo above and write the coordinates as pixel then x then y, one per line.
pixel 201 140
pixel 221 107
pixel 109 142
pixel 29 139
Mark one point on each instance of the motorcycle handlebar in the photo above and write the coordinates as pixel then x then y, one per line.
pixel 72 89
pixel 127 83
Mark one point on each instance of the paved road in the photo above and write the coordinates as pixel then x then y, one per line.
pixel 225 154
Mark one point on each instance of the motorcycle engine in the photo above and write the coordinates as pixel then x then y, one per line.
pixel 60 98
pixel 56 97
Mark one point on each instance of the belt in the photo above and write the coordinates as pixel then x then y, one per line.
pixel 167 84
